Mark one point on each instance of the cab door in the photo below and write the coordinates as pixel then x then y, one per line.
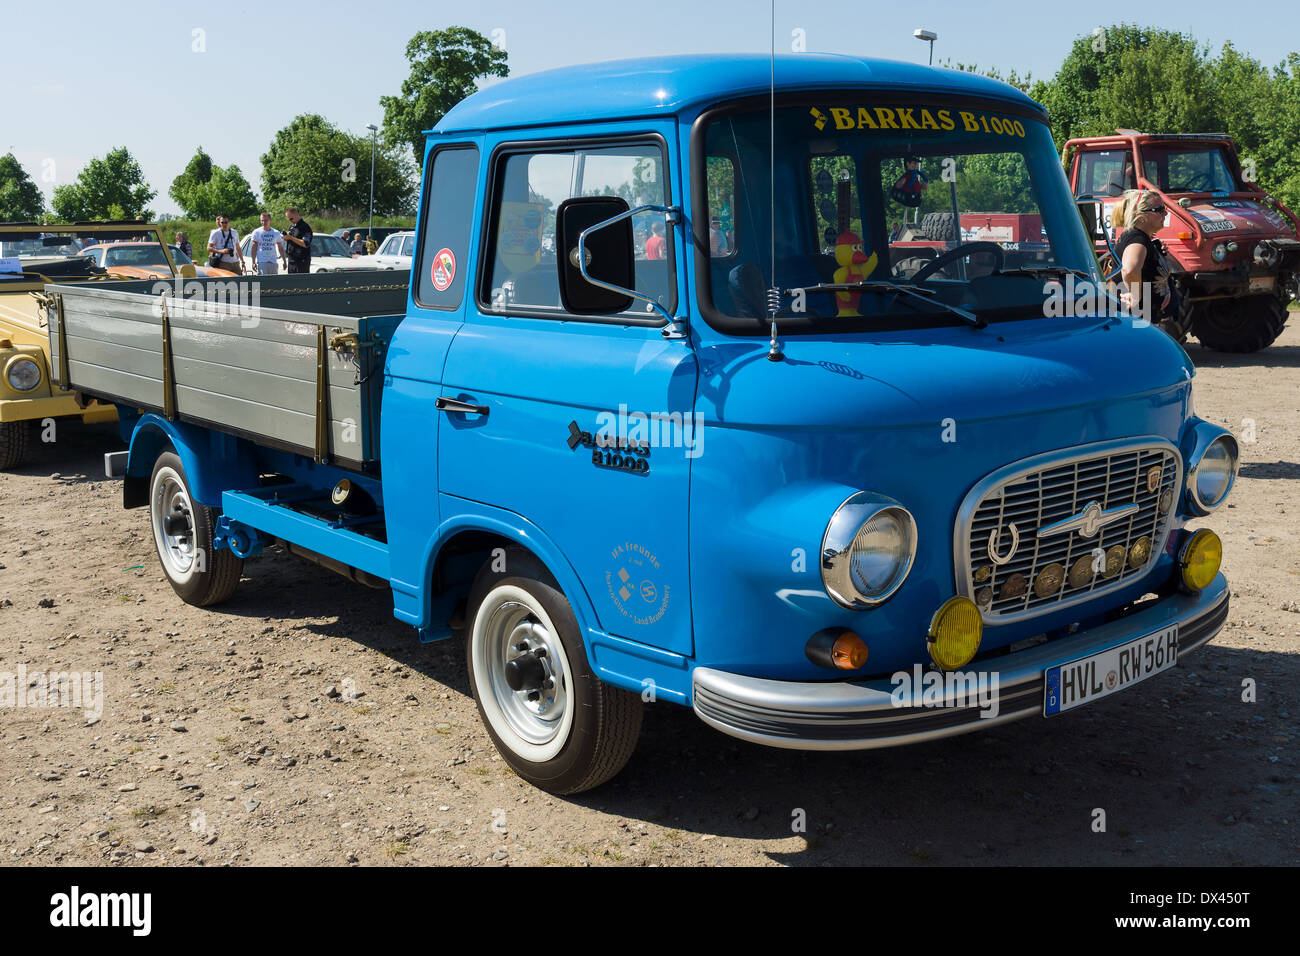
pixel 584 425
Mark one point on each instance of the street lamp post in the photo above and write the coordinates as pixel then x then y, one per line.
pixel 374 130
pixel 929 36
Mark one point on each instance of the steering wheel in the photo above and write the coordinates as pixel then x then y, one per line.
pixel 1194 185
pixel 952 255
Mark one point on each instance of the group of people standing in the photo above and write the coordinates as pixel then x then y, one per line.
pixel 271 247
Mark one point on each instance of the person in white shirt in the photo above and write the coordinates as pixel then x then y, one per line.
pixel 223 247
pixel 267 242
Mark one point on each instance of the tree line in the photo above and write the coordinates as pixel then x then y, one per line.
pixel 1154 80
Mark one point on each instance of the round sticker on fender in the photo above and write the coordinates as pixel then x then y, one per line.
pixel 443 269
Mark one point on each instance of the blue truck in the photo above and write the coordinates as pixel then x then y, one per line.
pixel 674 407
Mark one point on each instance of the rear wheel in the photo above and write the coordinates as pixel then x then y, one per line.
pixel 1239 325
pixel 182 534
pixel 554 722
pixel 15 440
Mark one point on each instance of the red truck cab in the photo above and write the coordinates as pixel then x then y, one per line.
pixel 1234 249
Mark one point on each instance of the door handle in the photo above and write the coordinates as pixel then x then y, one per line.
pixel 445 404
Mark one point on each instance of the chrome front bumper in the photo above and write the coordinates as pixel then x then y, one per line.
pixel 860 716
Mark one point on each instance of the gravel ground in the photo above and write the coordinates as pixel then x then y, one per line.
pixel 300 723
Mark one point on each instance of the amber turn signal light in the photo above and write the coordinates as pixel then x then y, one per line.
pixel 837 648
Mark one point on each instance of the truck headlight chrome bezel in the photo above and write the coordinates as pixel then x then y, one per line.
pixel 1219 252
pixel 1215 457
pixel 19 364
pixel 844 541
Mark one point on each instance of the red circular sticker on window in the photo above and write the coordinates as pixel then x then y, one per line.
pixel 443 270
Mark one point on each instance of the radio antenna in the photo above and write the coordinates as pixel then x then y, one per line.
pixel 773 293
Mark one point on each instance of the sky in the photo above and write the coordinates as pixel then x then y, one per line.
pixel 163 78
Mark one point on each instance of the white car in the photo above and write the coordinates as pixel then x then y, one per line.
pixel 395 252
pixel 328 254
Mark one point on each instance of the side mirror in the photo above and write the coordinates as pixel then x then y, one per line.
pixel 610 257
pixel 1093 214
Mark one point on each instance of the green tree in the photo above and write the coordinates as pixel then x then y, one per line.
pixel 445 67
pixel 110 188
pixel 20 198
pixel 205 191
pixel 316 166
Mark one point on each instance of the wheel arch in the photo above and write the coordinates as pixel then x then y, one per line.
pixel 464 541
pixel 213 461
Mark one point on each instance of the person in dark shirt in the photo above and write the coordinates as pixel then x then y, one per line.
pixel 183 244
pixel 297 242
pixel 1143 274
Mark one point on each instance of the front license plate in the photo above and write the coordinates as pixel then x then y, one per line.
pixel 1091 678
pixel 1261 283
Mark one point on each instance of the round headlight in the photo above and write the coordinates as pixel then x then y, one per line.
pixel 23 375
pixel 867 550
pixel 1219 252
pixel 1210 476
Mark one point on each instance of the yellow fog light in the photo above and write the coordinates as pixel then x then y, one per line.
pixel 1200 558
pixel 955 632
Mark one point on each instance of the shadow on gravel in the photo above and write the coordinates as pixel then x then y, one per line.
pixel 1276 356
pixel 76 455
pixel 1269 469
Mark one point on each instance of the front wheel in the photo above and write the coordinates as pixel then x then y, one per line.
pixel 554 722
pixel 15 440
pixel 1239 325
pixel 182 534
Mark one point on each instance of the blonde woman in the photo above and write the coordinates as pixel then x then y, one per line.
pixel 1138 216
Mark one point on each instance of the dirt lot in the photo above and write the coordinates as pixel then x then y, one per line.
pixel 220 741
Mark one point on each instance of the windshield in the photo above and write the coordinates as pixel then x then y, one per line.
pixel 1177 168
pixel 325 246
pixel 136 254
pixel 966 203
pixel 179 257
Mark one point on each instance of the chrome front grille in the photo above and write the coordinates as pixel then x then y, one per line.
pixel 1102 497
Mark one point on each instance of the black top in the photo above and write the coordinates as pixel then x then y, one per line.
pixel 1154 274
pixel 294 252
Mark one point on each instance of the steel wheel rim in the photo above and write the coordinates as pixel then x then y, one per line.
pixel 537 722
pixel 171 504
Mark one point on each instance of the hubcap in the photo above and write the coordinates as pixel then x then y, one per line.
pixel 525 672
pixel 173 518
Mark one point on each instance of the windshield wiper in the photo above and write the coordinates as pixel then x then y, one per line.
pixel 878 285
pixel 1032 271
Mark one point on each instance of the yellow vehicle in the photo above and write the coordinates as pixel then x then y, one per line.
pixel 32 254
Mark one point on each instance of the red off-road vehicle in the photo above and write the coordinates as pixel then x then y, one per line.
pixel 1235 249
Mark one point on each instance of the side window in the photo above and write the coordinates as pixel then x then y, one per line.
pixel 530 187
pixel 721 178
pixel 1106 173
pixel 448 217
pixel 408 246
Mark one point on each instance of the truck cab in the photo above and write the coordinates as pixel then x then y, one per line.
pixel 1233 248
pixel 675 412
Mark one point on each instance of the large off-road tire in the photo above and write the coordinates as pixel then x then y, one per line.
pixel 554 722
pixel 1239 325
pixel 15 440
pixel 938 225
pixel 182 534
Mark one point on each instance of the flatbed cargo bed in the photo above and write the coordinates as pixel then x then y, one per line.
pixel 293 362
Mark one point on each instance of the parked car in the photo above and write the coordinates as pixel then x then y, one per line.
pixel 1235 248
pixel 827 505
pixel 144 260
pixel 395 252
pixel 328 254
pixel 379 232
